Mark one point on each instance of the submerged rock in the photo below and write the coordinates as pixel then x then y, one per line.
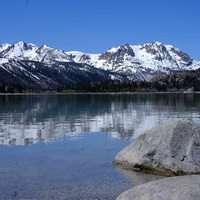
pixel 138 178
pixel 173 188
pixel 172 148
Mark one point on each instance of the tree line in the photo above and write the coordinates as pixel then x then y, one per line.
pixel 171 83
pixel 166 83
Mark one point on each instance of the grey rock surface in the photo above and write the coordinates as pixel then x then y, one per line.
pixel 173 188
pixel 172 148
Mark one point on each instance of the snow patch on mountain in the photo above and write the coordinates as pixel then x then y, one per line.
pixel 75 55
pixel 3 60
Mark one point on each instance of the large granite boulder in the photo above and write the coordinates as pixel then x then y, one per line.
pixel 173 188
pixel 171 148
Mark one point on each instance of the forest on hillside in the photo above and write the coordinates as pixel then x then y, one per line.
pixel 179 82
pixel 168 83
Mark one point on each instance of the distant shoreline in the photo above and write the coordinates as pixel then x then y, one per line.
pixel 63 93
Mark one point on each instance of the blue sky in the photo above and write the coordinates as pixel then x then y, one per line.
pixel 93 26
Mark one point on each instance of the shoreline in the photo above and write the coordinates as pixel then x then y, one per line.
pixel 63 93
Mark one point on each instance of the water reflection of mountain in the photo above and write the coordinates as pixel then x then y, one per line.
pixel 28 119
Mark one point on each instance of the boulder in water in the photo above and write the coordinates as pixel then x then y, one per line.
pixel 172 148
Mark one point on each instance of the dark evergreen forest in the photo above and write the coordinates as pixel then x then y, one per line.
pixel 179 82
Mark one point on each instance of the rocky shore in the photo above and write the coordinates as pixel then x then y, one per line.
pixel 172 148
pixel 173 188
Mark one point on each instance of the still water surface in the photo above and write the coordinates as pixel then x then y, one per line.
pixel 62 146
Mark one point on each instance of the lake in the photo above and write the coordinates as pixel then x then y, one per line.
pixel 61 146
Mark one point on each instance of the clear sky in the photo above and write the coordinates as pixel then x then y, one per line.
pixel 93 26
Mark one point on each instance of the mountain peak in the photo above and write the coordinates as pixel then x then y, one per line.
pixel 46 46
pixel 19 43
pixel 50 55
pixel 116 54
pixel 157 43
pixel 17 50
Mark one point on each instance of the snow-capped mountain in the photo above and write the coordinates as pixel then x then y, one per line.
pixel 19 50
pixel 28 51
pixel 47 67
pixel 149 59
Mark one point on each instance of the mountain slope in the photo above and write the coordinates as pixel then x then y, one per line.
pixel 37 75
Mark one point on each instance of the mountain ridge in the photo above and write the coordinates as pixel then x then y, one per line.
pixel 152 57
pixel 47 67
